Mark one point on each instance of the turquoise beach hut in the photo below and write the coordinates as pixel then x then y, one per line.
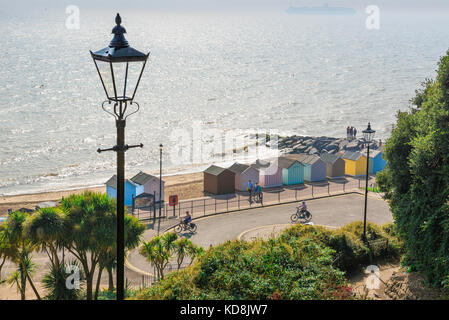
pixel 292 171
pixel 314 166
pixel 376 162
pixel 131 190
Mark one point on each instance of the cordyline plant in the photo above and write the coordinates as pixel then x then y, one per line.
pixel 161 250
pixel 19 249
pixel 6 250
pixel 90 234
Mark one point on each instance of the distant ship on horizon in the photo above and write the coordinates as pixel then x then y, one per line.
pixel 323 10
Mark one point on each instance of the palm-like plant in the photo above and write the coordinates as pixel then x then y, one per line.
pixel 45 229
pixel 194 252
pixel 89 229
pixel 90 234
pixel 55 282
pixel 6 250
pixel 20 249
pixel 182 249
pixel 25 269
pixel 159 251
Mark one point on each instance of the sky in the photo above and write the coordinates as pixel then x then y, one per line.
pixel 404 6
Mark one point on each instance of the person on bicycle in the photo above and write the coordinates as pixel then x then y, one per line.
pixel 187 219
pixel 303 208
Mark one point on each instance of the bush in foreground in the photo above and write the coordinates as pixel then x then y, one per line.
pixel 299 264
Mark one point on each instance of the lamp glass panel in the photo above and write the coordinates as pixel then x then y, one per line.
pixel 369 136
pixel 106 77
pixel 126 75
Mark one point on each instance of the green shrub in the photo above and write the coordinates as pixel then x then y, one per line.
pixel 258 270
pixel 301 263
pixel 416 177
pixel 351 252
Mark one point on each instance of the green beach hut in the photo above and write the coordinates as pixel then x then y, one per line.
pixel 314 166
pixel 292 171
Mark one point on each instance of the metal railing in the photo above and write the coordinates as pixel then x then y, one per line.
pixel 241 200
pixel 149 280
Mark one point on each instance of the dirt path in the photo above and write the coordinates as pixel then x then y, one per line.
pixel 394 283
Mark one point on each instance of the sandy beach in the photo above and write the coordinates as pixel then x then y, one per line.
pixel 186 186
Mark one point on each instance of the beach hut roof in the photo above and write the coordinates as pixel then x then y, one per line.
pixel 142 178
pixel 238 167
pixel 46 204
pixel 372 153
pixel 305 158
pixel 329 157
pixel 285 163
pixel 354 156
pixel 214 170
pixel 260 164
pixel 113 182
pixel 144 195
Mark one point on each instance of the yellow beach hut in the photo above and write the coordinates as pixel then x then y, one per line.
pixel 355 163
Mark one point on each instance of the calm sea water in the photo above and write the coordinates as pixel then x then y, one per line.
pixel 294 74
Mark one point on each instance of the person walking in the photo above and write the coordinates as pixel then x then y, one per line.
pixel 250 190
pixel 258 191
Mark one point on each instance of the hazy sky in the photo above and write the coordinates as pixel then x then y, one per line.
pixel 255 5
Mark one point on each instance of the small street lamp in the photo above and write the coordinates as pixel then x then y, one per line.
pixel 120 68
pixel 160 180
pixel 368 135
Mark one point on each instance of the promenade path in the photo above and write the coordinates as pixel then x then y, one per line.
pixel 213 204
pixel 333 211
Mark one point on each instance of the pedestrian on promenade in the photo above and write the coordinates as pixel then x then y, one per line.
pixel 250 190
pixel 250 186
pixel 258 191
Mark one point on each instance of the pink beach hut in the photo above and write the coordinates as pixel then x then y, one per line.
pixel 270 175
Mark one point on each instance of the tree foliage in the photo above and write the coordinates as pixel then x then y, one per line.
pixel 90 229
pixel 160 250
pixel 20 249
pixel 84 225
pixel 416 178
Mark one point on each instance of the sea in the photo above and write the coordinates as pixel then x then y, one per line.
pixel 210 75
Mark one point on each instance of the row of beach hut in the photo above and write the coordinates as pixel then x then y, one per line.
pixel 290 170
pixel 140 186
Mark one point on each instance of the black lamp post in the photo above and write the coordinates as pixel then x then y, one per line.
pixel 120 68
pixel 160 180
pixel 368 135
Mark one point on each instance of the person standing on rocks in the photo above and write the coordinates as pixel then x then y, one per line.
pixel 355 133
pixel 348 132
pixel 351 132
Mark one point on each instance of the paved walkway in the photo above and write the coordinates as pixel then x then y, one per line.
pixel 334 211
pixel 237 201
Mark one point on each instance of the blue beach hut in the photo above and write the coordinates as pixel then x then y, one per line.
pixel 376 162
pixel 131 190
pixel 292 171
